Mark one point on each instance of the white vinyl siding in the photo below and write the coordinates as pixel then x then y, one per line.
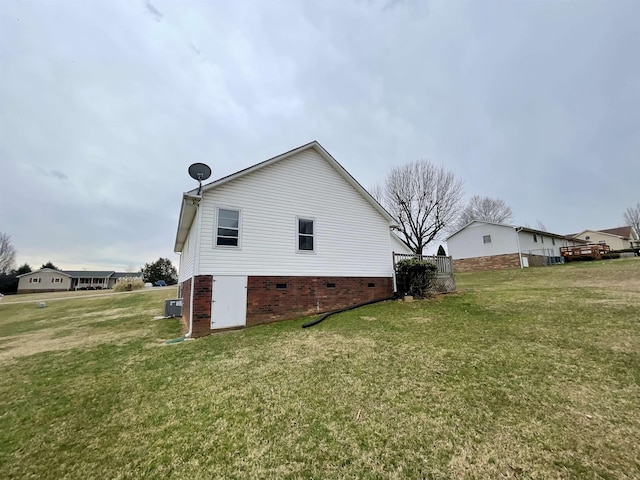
pixel 187 256
pixel 351 238
pixel 44 280
pixel 469 242
pixel 529 245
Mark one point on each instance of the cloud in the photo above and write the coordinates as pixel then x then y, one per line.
pixel 59 175
pixel 534 103
pixel 153 11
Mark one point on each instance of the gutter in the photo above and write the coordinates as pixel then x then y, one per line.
pixel 518 230
pixel 196 262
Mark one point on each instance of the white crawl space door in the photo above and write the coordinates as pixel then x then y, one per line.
pixel 229 307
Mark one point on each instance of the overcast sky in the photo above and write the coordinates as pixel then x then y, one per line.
pixel 104 105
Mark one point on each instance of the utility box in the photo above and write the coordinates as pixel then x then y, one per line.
pixel 173 308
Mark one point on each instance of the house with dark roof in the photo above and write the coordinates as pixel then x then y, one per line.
pixel 619 238
pixel 50 280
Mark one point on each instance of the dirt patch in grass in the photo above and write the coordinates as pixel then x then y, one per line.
pixel 12 348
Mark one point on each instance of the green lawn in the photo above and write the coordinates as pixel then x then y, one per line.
pixel 522 374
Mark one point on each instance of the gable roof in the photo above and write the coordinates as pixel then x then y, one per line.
pixel 191 199
pixel 41 270
pixel 599 232
pixel 624 232
pixel 84 273
pixel 517 228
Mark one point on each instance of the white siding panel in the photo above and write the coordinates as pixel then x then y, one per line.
pixel 468 243
pixel 351 238
pixel 187 256
pixel 544 245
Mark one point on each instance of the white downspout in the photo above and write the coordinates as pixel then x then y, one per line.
pixel 196 265
pixel 518 242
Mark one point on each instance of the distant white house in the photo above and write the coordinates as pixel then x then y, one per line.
pixel 483 245
pixel 50 280
pixel 291 236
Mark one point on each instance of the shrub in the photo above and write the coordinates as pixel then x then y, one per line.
pixel 415 277
pixel 122 285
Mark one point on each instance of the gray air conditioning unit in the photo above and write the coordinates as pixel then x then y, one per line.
pixel 173 308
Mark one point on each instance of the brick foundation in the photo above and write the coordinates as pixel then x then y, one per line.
pixel 43 290
pixel 266 302
pixel 496 262
pixel 493 262
pixel 202 290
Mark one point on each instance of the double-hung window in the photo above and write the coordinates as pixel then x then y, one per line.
pixel 306 241
pixel 228 231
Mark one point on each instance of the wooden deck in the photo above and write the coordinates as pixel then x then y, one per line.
pixel 583 252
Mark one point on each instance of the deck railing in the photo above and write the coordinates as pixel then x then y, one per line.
pixel 444 264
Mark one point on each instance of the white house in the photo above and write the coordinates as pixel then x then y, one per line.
pixel 483 245
pixel 291 236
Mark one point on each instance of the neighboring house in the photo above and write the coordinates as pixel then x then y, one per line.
pixel 620 238
pixel 49 280
pixel 294 235
pixel 494 246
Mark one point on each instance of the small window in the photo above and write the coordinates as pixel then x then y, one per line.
pixel 553 241
pixel 541 238
pixel 281 286
pixel 535 238
pixel 305 235
pixel 331 285
pixel 228 234
pixel 486 239
pixel 371 285
pixel 587 237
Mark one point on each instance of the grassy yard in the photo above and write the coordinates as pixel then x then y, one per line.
pixel 522 374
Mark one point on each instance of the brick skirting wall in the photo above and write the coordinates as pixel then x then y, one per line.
pixel 493 262
pixel 202 290
pixel 496 262
pixel 44 290
pixel 266 302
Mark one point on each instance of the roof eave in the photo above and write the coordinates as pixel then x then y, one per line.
pixel 188 209
pixel 324 154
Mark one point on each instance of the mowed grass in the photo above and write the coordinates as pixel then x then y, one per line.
pixel 522 374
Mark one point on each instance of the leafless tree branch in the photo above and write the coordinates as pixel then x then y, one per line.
pixel 424 198
pixel 632 218
pixel 7 253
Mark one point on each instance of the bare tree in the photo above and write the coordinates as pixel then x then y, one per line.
pixel 541 226
pixel 7 253
pixel 424 198
pixel 632 218
pixel 377 192
pixel 486 209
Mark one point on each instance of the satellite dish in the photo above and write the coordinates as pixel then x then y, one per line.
pixel 199 171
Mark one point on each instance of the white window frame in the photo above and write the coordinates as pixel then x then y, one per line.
pixel 215 228
pixel 314 235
